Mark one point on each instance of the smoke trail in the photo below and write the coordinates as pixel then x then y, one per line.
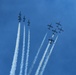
pixel 14 63
pixel 35 59
pixel 27 55
pixel 40 64
pixel 47 58
pixel 53 35
pixel 23 51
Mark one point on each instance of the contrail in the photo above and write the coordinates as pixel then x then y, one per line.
pixel 14 63
pixel 23 53
pixel 41 62
pixel 27 55
pixel 47 58
pixel 35 59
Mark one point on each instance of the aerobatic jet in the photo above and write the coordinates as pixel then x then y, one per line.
pixel 19 17
pixel 50 26
pixel 58 23
pixel 28 22
pixel 60 30
pixel 51 41
pixel 24 19
pixel 54 31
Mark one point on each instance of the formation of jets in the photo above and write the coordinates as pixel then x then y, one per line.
pixel 19 18
pixel 55 31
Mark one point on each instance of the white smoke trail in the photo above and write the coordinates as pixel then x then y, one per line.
pixel 47 57
pixel 53 35
pixel 27 55
pixel 23 53
pixel 14 63
pixel 35 59
pixel 41 62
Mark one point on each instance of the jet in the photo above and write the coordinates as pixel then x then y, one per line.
pixel 49 25
pixel 60 29
pixel 51 41
pixel 58 23
pixel 19 17
pixel 55 31
pixel 24 19
pixel 28 22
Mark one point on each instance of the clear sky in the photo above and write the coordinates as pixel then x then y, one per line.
pixel 40 13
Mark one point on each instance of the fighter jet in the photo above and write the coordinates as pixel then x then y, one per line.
pixel 51 41
pixel 54 31
pixel 24 19
pixel 49 26
pixel 19 17
pixel 58 23
pixel 60 30
pixel 28 22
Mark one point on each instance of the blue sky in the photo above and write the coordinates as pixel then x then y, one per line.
pixel 40 13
